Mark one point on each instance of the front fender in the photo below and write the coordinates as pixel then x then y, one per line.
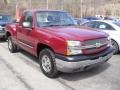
pixel 11 29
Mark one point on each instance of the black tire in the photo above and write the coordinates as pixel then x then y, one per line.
pixel 48 54
pixel 115 46
pixel 11 46
pixel 4 38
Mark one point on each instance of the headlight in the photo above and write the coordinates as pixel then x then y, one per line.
pixel 109 41
pixel 74 47
pixel 1 28
pixel 109 38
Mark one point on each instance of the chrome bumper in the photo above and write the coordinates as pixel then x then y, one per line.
pixel 2 34
pixel 70 66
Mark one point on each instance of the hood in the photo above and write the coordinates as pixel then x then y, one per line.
pixel 2 22
pixel 75 33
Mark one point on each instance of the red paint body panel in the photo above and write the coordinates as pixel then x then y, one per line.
pixel 54 37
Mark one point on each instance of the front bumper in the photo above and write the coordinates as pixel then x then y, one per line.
pixel 2 34
pixel 82 62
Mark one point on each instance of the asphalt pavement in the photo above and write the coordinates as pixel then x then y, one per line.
pixel 20 71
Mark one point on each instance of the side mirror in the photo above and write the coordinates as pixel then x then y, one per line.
pixel 14 21
pixel 26 25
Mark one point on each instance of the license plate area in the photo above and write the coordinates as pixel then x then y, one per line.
pixel 103 58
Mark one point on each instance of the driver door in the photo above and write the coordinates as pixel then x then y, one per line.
pixel 26 36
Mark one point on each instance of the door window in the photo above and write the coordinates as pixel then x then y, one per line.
pixel 28 18
pixel 90 24
pixel 104 26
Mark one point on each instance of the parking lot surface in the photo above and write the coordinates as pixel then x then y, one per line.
pixel 20 71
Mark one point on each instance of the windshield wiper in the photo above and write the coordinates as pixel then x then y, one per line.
pixel 51 25
pixel 68 25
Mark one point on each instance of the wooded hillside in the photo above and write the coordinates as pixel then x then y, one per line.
pixel 89 7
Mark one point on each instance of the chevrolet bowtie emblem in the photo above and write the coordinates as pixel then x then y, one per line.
pixel 98 45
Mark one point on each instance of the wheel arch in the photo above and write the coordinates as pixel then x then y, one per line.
pixel 118 46
pixel 8 34
pixel 41 46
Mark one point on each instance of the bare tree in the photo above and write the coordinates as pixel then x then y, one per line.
pixel 77 8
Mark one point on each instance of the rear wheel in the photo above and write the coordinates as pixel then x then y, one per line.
pixel 47 63
pixel 11 46
pixel 115 46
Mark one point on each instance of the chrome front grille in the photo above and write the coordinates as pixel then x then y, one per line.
pixel 2 29
pixel 94 46
pixel 94 42
pixel 3 25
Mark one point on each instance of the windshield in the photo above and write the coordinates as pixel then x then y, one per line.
pixel 4 18
pixel 53 18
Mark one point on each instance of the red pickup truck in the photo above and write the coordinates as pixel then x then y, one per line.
pixel 59 44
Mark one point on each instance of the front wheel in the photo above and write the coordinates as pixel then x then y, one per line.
pixel 115 46
pixel 47 63
pixel 11 46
